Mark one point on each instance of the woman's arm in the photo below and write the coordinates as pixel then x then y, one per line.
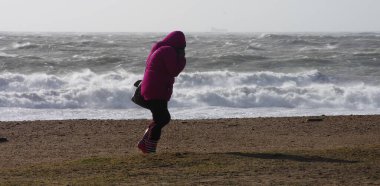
pixel 174 62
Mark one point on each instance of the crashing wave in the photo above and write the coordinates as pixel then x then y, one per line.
pixel 112 90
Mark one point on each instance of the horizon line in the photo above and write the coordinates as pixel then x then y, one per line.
pixel 226 32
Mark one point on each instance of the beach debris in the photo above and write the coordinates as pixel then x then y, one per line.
pixel 314 119
pixel 233 125
pixel 2 139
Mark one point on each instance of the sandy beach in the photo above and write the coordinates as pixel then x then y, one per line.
pixel 34 143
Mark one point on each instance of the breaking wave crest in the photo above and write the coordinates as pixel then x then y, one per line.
pixel 24 45
pixel 112 90
pixel 84 89
pixel 269 89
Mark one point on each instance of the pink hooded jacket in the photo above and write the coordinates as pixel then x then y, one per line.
pixel 162 66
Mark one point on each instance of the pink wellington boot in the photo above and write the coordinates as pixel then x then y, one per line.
pixel 147 145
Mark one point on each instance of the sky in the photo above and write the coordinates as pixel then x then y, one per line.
pixel 190 15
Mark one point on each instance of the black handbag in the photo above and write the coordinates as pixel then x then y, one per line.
pixel 137 98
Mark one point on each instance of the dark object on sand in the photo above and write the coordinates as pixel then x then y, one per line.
pixel 314 119
pixel 2 140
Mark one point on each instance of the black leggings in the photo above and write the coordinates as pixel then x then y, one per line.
pixel 161 117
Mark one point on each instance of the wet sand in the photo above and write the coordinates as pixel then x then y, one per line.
pixel 36 142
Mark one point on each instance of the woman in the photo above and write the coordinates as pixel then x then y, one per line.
pixel 165 61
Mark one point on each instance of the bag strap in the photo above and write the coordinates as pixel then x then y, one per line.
pixel 137 83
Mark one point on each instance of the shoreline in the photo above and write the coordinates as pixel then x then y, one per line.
pixel 192 119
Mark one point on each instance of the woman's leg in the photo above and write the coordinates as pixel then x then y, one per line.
pixel 161 117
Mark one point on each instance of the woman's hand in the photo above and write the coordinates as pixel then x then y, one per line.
pixel 181 52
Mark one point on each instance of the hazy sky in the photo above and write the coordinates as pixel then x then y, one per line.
pixel 190 15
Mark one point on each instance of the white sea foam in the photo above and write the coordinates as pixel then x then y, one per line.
pixel 83 89
pixel 3 54
pixel 21 114
pixel 112 90
pixel 216 94
pixel 81 57
pixel 315 48
pixel 24 45
pixel 268 89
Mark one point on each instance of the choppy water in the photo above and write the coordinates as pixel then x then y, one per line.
pixel 69 75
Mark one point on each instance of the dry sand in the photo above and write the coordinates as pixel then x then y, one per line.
pixel 36 142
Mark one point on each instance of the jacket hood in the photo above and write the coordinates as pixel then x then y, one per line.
pixel 175 39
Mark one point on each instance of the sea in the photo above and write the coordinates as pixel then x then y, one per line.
pixel 57 76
